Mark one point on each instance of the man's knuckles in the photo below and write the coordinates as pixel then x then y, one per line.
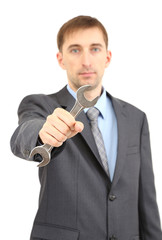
pixel 65 116
pixel 54 142
pixel 60 137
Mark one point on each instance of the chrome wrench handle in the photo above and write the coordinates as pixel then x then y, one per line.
pixel 77 109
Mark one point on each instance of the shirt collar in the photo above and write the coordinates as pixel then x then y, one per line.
pixel 101 103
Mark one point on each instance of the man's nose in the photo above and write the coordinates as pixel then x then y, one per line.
pixel 86 59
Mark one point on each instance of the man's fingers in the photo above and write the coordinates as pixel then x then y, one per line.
pixel 79 126
pixel 58 127
pixel 55 132
pixel 51 140
pixel 66 117
pixel 57 123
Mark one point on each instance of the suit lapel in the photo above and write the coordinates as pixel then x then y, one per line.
pixel 122 124
pixel 65 99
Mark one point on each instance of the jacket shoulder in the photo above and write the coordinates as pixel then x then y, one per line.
pixel 129 107
pixel 36 106
pixel 40 101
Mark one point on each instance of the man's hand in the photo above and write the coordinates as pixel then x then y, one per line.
pixel 59 126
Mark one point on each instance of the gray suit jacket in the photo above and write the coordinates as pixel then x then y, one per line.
pixel 77 200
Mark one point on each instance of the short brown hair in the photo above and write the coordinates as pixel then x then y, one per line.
pixel 80 22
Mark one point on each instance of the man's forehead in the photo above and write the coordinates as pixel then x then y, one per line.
pixel 91 36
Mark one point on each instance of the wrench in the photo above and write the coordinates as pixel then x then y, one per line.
pixel 80 104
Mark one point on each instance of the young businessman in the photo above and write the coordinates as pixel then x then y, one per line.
pixel 80 199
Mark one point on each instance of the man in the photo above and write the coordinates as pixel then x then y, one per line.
pixel 82 197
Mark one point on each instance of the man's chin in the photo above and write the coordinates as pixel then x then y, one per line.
pixel 86 81
pixel 93 84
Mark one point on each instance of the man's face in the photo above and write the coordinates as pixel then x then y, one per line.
pixel 84 57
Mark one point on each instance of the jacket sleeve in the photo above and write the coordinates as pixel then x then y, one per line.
pixel 148 210
pixel 32 113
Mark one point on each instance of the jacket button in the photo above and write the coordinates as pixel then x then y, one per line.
pixel 113 238
pixel 112 197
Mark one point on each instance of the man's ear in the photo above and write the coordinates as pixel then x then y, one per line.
pixel 60 60
pixel 108 58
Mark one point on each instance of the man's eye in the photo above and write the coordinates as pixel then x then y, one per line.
pixel 95 49
pixel 75 50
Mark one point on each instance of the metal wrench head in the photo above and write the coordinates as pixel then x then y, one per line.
pixel 81 98
pixel 46 156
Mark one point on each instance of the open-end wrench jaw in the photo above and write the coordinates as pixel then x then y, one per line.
pixel 44 152
pixel 82 99
pixel 80 104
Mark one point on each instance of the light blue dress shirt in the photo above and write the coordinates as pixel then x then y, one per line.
pixel 107 124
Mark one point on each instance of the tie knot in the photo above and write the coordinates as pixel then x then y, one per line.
pixel 93 113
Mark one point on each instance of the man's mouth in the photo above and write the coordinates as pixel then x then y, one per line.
pixel 87 74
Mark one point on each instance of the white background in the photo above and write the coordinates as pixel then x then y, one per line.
pixel 28 65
